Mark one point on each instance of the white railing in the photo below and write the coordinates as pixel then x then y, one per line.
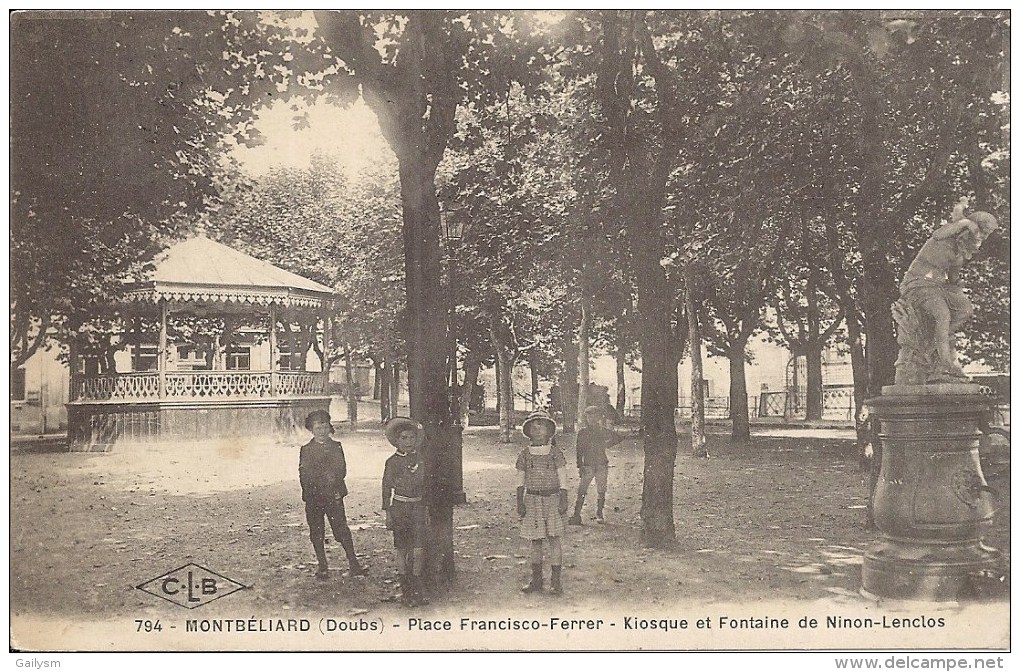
pixel 300 384
pixel 217 385
pixel 143 385
pixel 192 385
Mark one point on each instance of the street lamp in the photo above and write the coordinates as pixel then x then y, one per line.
pixel 453 225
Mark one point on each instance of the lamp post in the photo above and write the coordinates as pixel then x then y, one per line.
pixel 453 230
pixel 453 225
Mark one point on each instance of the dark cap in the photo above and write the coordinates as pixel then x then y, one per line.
pixel 319 415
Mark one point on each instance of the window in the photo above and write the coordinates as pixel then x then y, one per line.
pixel 239 358
pixel 190 358
pixel 144 357
pixel 287 361
pixel 18 385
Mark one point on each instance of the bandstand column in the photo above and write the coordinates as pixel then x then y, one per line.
pixel 72 363
pixel 161 364
pixel 327 329
pixel 272 349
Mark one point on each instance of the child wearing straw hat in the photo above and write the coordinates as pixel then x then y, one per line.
pixel 542 499
pixel 322 469
pixel 403 485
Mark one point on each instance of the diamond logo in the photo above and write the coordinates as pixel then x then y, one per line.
pixel 190 586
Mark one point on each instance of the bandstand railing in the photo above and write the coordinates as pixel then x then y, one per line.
pixel 143 385
pixel 201 385
pixel 299 384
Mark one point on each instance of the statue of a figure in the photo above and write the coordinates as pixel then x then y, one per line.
pixel 933 306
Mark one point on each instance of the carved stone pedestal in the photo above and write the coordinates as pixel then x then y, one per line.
pixel 931 504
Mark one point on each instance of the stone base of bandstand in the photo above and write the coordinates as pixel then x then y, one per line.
pixel 931 502
pixel 110 426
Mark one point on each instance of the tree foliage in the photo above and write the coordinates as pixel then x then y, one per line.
pixel 116 122
pixel 340 232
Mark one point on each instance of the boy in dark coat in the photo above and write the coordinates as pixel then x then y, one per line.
pixel 322 469
pixel 592 461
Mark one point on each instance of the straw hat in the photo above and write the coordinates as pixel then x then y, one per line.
pixel 397 425
pixel 538 417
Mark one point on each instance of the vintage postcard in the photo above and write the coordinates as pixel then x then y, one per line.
pixel 511 331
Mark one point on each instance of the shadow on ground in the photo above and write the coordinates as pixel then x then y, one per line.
pixel 776 519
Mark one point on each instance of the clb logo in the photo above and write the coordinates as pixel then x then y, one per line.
pixel 190 586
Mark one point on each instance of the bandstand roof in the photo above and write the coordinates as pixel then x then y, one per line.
pixel 201 270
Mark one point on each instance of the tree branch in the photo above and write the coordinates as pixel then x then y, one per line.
pixel 28 345
pixel 381 84
pixel 937 166
pixel 790 340
pixel 665 89
pixel 839 277
pixel 827 334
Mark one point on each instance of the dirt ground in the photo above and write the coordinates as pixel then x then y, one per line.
pixel 779 521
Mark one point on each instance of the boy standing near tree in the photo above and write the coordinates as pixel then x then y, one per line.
pixel 403 485
pixel 322 469
pixel 592 461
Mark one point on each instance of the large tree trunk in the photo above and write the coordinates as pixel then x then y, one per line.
pixel 568 383
pixel 415 100
pixel 661 345
pixel 738 392
pixel 879 292
pixel 699 446
pixel 352 398
pixel 659 392
pixel 472 364
pixel 499 388
pixel 878 289
pixel 384 384
pixel 506 357
pixel 427 348
pixel 377 387
pixel 533 368
pixel 505 383
pixel 621 382
pixel 583 359
pixel 394 389
pixel 858 366
pixel 641 172
pixel 813 352
pixel 865 435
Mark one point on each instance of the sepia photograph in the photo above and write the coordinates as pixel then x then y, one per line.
pixel 457 330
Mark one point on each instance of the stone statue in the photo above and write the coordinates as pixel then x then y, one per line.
pixel 933 306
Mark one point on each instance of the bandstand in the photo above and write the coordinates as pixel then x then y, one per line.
pixel 167 398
